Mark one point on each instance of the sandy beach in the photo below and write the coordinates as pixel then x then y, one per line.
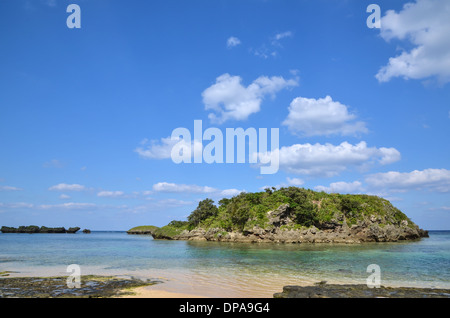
pixel 150 292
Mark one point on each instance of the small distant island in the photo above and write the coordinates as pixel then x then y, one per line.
pixel 36 229
pixel 292 215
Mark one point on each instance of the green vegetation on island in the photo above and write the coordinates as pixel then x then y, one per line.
pixel 293 214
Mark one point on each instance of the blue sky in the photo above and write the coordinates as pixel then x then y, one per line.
pixel 85 114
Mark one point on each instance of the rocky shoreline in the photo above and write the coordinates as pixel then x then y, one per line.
pixel 36 229
pixel 56 287
pixel 323 290
pixel 281 229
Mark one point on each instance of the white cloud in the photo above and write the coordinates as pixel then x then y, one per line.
pixel 428 179
pixel 50 3
pixel 184 188
pixel 54 163
pixel 154 150
pixel 330 160
pixel 230 100
pixel 158 206
pixel 9 188
pixel 230 192
pixel 425 24
pixel 16 205
pixel 264 52
pixel 269 49
pixel 441 208
pixel 64 196
pixel 193 188
pixel 162 149
pixel 279 36
pixel 316 117
pixel 110 194
pixel 283 35
pixel 67 187
pixel 233 41
pixel 173 203
pixel 68 206
pixel 342 187
pixel 295 181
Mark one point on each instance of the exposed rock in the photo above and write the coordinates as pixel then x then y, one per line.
pixel 56 287
pixel 35 229
pixel 73 230
pixel 194 235
pixel 280 216
pixel 86 231
pixel 45 229
pixel 323 290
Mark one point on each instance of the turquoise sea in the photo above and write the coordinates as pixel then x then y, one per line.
pixel 227 269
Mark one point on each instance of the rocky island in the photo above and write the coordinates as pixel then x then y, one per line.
pixel 292 215
pixel 36 229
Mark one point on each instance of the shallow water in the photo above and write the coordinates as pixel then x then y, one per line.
pixel 227 269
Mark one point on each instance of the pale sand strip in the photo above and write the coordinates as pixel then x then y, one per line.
pixel 180 285
pixel 147 292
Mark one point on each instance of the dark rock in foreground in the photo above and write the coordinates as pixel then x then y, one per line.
pixel 56 287
pixel 359 291
pixel 35 229
pixel 86 231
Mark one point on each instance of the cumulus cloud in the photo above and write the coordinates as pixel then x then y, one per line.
pixel 230 100
pixel 233 41
pixel 342 187
pixel 426 25
pixel 230 192
pixel 295 181
pixel 156 150
pixel 330 160
pixel 110 194
pixel 323 116
pixel 67 187
pixel 428 179
pixel 162 149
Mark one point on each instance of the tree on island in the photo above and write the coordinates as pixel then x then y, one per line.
pixel 204 210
